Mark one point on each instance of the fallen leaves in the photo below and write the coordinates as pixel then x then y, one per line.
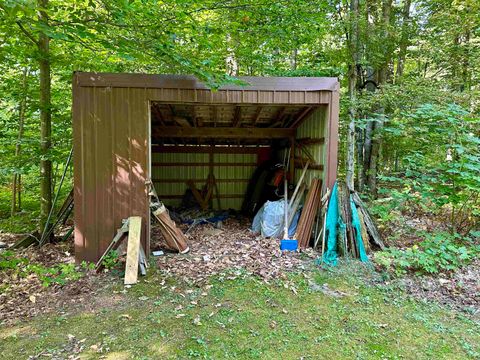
pixel 234 248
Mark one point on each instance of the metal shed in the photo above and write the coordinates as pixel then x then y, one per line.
pixel 129 128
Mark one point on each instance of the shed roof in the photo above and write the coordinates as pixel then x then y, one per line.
pixel 191 82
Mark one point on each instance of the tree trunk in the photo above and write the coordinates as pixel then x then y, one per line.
pixel 402 53
pixel 378 124
pixel 21 120
pixel 367 144
pixel 352 88
pixel 45 119
pixel 360 144
pixel 374 156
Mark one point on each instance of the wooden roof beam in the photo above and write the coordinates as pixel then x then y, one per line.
pixel 223 132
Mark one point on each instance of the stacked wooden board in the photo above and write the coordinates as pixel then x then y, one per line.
pixel 309 214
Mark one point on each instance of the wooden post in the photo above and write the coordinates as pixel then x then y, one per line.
pixel 292 160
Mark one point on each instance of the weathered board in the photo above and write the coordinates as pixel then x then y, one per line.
pixel 133 248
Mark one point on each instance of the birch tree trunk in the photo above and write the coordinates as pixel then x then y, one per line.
pixel 45 119
pixel 378 125
pixel 352 88
pixel 402 53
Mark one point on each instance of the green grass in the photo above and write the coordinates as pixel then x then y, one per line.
pixel 248 319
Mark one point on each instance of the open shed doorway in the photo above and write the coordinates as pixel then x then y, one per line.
pixel 215 165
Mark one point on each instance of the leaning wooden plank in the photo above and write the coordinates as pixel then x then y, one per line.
pixel 114 244
pixel 133 249
pixel 196 194
pixel 364 233
pixel 299 184
pixel 142 261
pixel 173 235
pixel 27 241
pixel 293 208
pixel 372 229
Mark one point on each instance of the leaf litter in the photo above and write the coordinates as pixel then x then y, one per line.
pixel 234 248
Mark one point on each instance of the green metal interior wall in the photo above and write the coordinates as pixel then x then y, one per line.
pixel 232 181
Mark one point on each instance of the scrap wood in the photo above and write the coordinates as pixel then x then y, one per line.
pixel 133 250
pixel 299 184
pixel 27 241
pixel 364 233
pixel 372 229
pixel 346 213
pixel 296 204
pixel 307 218
pixel 173 235
pixel 323 213
pixel 210 185
pixel 115 243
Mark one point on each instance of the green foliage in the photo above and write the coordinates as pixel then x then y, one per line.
pixel 57 274
pixel 110 260
pixel 437 253
pixel 437 166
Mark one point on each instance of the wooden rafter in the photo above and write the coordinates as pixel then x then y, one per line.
pixel 237 117
pixel 258 113
pixel 158 114
pixel 278 116
pixel 307 111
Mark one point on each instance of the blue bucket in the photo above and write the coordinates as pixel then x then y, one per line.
pixel 288 245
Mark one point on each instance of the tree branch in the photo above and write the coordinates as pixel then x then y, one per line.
pixel 27 34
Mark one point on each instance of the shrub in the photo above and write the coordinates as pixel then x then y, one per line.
pixel 438 252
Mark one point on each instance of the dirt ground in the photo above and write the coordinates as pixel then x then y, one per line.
pixel 459 290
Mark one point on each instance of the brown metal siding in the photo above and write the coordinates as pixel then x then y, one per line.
pixel 110 159
pixel 239 96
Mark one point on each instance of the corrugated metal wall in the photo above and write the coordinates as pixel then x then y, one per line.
pixel 110 130
pixel 314 127
pixel 232 180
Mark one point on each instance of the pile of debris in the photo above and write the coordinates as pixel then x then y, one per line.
pixel 213 251
pixel 349 229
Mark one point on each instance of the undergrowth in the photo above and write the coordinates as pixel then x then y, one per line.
pixel 439 252
pixel 56 274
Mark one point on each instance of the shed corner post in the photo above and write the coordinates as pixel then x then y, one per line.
pixel 79 241
pixel 332 139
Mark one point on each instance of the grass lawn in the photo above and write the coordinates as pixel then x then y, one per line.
pixel 244 318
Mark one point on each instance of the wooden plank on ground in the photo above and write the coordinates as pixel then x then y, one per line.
pixel 133 248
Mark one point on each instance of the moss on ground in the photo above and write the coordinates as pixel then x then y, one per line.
pixel 244 318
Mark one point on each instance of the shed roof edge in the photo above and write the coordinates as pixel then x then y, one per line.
pixel 133 80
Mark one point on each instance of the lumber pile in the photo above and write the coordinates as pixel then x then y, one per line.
pixel 356 233
pixel 309 214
